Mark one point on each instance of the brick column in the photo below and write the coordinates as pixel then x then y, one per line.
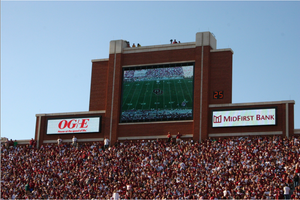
pixel 205 41
pixel 114 80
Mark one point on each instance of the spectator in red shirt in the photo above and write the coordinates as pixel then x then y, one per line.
pixel 169 137
pixel 31 143
pixel 178 137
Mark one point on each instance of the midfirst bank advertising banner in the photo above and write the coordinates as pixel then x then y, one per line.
pixel 253 117
pixel 73 125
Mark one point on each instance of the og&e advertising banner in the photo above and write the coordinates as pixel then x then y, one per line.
pixel 73 125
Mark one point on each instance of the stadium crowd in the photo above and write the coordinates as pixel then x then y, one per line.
pixel 228 168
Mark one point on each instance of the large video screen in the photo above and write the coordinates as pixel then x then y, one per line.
pixel 157 93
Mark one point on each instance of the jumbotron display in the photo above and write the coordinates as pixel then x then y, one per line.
pixel 157 93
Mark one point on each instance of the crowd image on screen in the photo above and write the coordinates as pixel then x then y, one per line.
pixel 155 74
pixel 225 168
pixel 165 72
pixel 156 115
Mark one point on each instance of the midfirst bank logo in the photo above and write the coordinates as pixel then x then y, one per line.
pixel 218 119
pixel 253 117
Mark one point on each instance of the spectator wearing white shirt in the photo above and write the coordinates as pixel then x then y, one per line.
pixel 14 196
pixel 59 141
pixel 286 192
pixel 226 193
pixel 115 195
pixel 106 142
pixel 74 141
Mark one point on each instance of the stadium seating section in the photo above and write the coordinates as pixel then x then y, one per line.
pixel 227 168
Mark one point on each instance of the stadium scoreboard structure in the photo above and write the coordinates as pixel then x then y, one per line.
pixel 144 92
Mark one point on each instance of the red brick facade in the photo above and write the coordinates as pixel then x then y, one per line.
pixel 98 92
pixel 212 72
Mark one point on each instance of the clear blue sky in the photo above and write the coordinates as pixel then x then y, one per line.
pixel 47 48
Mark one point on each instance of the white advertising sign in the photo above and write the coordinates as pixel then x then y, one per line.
pixel 73 125
pixel 253 117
